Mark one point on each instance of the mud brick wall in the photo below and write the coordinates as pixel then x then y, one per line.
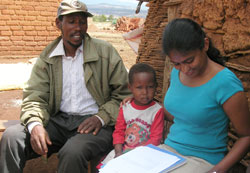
pixel 26 27
pixel 227 23
pixel 150 50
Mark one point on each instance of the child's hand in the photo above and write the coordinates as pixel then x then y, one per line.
pixel 126 100
pixel 118 150
pixel 118 154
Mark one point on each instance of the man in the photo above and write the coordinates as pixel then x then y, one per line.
pixel 71 100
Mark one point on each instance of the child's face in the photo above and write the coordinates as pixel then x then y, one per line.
pixel 143 88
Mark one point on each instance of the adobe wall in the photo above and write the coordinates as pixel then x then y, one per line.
pixel 26 27
pixel 227 23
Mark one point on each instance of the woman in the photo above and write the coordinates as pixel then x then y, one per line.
pixel 202 98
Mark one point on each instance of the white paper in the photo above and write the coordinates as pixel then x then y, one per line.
pixel 141 159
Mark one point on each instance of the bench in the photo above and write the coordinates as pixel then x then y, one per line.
pixel 4 124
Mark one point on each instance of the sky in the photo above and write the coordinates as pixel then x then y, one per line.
pixel 131 3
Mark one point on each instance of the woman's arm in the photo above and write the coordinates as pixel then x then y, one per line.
pixel 237 110
pixel 169 117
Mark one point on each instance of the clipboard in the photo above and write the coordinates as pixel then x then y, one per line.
pixel 146 159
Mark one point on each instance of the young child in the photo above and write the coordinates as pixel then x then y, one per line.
pixel 141 121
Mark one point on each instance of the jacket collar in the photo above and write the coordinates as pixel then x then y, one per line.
pixel 89 50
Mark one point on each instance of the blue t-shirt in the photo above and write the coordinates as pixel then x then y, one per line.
pixel 200 123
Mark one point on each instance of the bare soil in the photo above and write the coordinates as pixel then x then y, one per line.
pixel 10 100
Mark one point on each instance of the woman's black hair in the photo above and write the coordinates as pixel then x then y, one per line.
pixel 185 35
pixel 139 68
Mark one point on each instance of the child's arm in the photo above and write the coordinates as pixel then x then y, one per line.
pixel 118 150
pixel 156 129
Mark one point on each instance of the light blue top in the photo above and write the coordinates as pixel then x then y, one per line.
pixel 200 123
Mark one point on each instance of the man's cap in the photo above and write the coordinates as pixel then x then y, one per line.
pixel 72 6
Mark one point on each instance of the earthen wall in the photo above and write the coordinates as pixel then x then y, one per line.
pixel 26 27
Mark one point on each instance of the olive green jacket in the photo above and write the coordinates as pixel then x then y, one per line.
pixel 105 77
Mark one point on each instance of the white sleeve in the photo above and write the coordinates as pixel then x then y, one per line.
pixel 32 125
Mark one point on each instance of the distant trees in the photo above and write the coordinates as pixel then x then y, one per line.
pixel 104 18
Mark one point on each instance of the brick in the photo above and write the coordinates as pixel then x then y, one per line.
pixel 5 43
pixel 6 2
pixel 13 23
pixel 15 53
pixel 51 28
pixel 2 23
pixel 20 53
pixel 33 13
pixel 40 8
pixel 47 24
pixel 39 48
pixel 5 18
pixel 52 19
pixel 46 13
pixel 28 48
pixel 43 33
pixel 18 33
pixel 8 12
pixel 49 39
pixel 16 38
pixel 14 7
pixel 41 18
pixel 6 33
pixel 4 28
pixel 28 38
pixel 55 33
pixel 19 43
pixel 37 23
pixel 40 28
pixel 25 23
pixel 42 43
pixel 15 17
pixel 16 28
pixel 6 38
pixel 30 43
pixel 3 7
pixel 5 53
pixel 21 12
pixel 28 28
pixel 28 8
pixel 33 3
pixel 20 3
pixel 16 48
pixel 4 48
pixel 39 38
pixel 45 4
pixel 52 9
pixel 30 18
pixel 31 33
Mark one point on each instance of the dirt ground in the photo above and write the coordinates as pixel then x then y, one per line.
pixel 10 100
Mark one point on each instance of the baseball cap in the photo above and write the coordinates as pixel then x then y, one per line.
pixel 72 6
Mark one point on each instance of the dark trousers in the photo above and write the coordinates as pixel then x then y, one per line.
pixel 74 149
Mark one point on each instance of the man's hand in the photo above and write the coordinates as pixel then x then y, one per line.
pixel 39 139
pixel 90 124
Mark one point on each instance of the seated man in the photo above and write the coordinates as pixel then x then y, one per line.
pixel 71 100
